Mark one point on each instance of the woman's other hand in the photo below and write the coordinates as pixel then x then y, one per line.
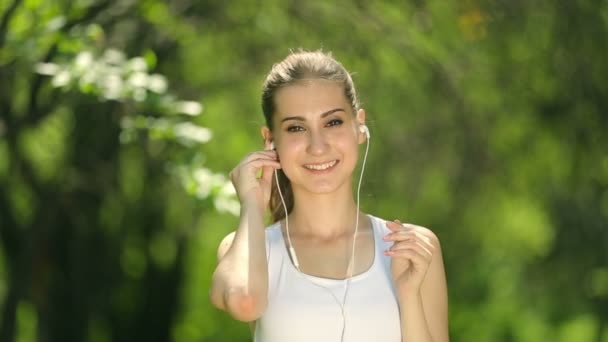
pixel 411 253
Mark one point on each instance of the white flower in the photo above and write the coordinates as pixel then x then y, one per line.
pixel 192 132
pixel 91 74
pixel 61 79
pixel 56 23
pixel 192 108
pixel 228 189
pixel 112 87
pixel 157 83
pixel 113 56
pixel 203 178
pixel 138 64
pixel 227 204
pixel 84 61
pixel 139 94
pixel 138 80
pixel 47 69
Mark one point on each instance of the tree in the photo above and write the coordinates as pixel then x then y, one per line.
pixel 93 228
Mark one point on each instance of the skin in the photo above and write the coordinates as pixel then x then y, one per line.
pixel 313 125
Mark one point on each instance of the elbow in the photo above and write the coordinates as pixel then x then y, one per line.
pixel 246 308
pixel 241 306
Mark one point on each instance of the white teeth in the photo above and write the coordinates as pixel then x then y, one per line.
pixel 321 167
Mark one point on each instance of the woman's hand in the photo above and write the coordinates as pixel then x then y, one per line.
pixel 250 188
pixel 411 255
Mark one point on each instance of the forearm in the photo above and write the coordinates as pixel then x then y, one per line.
pixel 414 326
pixel 240 281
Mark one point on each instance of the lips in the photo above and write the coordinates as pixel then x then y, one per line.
pixel 321 166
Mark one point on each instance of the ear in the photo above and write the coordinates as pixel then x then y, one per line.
pixel 267 135
pixel 361 121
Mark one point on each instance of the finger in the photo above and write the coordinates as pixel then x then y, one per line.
pixel 268 172
pixel 400 235
pixel 260 154
pixel 261 163
pixel 397 224
pixel 417 247
pixel 423 247
pixel 252 167
pixel 394 225
pixel 416 258
pixel 406 235
pixel 408 225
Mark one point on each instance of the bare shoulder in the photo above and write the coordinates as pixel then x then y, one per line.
pixel 425 232
pixel 429 234
pixel 225 245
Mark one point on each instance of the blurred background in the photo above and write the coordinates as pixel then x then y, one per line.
pixel 120 119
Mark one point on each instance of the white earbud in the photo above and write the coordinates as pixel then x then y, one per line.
pixel 272 145
pixel 364 129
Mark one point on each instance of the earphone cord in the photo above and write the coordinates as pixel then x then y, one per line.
pixel 351 265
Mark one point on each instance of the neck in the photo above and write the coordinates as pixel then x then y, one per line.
pixel 323 216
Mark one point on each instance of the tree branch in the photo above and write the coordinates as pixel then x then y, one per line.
pixel 34 113
pixel 5 98
pixel 6 18
pixel 11 247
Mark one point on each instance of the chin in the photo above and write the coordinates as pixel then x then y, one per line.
pixel 323 187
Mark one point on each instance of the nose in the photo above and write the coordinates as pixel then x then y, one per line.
pixel 317 143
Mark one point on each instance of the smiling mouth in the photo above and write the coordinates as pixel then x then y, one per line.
pixel 321 167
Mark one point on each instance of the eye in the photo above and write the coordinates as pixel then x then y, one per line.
pixel 335 122
pixel 295 128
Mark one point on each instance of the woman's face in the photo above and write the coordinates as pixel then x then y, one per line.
pixel 316 135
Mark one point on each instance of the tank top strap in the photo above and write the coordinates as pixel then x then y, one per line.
pixel 272 239
pixel 380 230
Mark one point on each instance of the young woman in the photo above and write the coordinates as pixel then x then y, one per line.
pixel 324 271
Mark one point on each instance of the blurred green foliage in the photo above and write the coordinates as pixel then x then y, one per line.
pixel 488 121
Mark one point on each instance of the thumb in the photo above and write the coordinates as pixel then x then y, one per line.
pixel 394 226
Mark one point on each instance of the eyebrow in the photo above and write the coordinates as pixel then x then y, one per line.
pixel 301 118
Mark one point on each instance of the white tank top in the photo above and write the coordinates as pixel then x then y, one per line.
pixel 300 311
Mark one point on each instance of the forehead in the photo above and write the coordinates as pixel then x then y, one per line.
pixel 310 97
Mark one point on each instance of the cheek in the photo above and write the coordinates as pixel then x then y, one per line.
pixel 289 149
pixel 293 143
pixel 346 140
